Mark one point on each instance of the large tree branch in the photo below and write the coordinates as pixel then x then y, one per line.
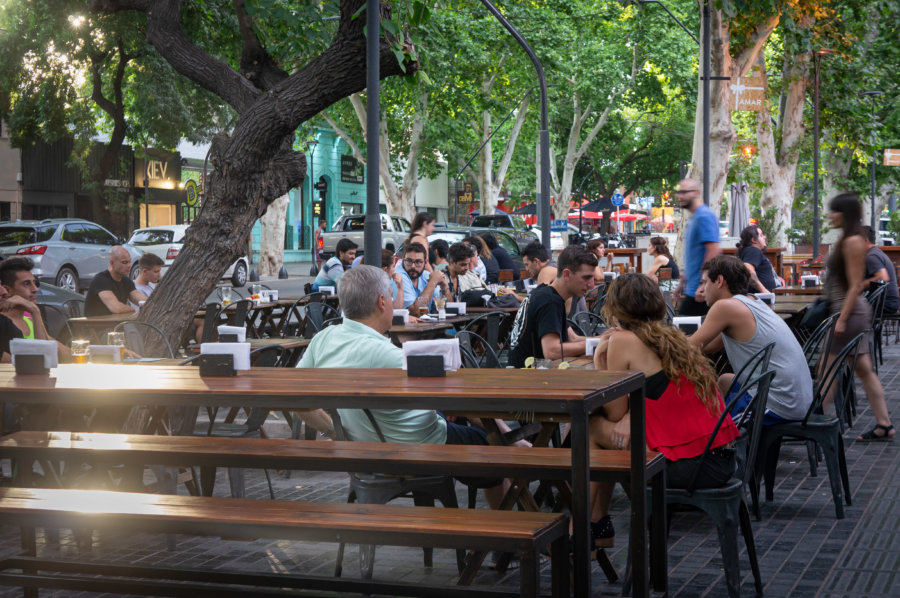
pixel 743 61
pixel 164 32
pixel 340 132
pixel 256 63
pixel 511 142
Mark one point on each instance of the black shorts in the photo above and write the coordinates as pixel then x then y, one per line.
pixel 718 467
pixel 691 307
pixel 471 435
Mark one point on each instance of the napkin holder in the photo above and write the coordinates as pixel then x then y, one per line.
pixel 327 289
pixel 809 281
pixel 30 356
pixel 232 334
pixel 401 317
pixel 687 324
pixel 105 354
pixel 425 366
pixel 239 352
pixel 590 345
pixel 229 338
pixel 216 365
pixel 458 306
pixel 767 298
pixel 608 277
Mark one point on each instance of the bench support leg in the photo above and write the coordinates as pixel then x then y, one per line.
pixel 29 548
pixel 529 574
pixel 559 568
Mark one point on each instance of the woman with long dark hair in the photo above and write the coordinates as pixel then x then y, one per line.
pixel 750 251
pixel 422 226
pixel 843 287
pixel 662 258
pixel 683 403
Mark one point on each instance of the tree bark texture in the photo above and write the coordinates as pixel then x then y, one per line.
pixel 778 158
pixel 255 164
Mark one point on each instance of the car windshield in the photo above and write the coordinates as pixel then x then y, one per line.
pixel 142 238
pixel 495 221
pixel 22 235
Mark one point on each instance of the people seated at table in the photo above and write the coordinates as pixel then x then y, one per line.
pixel 662 258
pixel 683 403
pixel 359 342
pixel 879 267
pixel 504 261
pixel 541 269
pixel 437 254
pixel 540 329
pixel 750 251
pixel 420 286
pixel 8 330
pixel 149 272
pixel 743 325
pixel 334 268
pixel 389 265
pixel 843 287
pixel 21 307
pixel 112 288
pixel 598 248
pixel 486 266
pixel 422 226
pixel 460 277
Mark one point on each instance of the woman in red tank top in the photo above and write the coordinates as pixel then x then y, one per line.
pixel 682 405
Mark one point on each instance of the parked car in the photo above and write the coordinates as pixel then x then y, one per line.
pixel 512 225
pixel 556 240
pixel 504 240
pixel 394 231
pixel 576 237
pixel 166 242
pixel 67 252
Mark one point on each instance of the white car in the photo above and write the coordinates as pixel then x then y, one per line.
pixel 166 242
pixel 556 241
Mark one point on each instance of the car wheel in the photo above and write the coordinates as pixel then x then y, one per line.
pixel 135 270
pixel 239 277
pixel 67 278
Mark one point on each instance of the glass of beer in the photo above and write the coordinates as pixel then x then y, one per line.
pixel 117 339
pixel 80 349
pixel 423 311
pixel 226 295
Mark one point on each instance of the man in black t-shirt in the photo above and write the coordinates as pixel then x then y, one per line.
pixel 753 244
pixel 880 267
pixel 540 329
pixel 111 289
pixel 8 330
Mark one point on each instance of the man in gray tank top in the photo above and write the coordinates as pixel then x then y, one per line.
pixel 743 325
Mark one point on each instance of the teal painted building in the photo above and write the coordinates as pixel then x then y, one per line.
pixel 335 184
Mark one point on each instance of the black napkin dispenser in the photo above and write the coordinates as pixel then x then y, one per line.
pixel 397 321
pixel 30 364
pixel 217 365
pixel 451 311
pixel 425 366
pixel 228 338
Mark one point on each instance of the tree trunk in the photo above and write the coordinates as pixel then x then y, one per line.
pixel 271 240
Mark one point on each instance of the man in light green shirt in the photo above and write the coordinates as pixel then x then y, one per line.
pixel 359 342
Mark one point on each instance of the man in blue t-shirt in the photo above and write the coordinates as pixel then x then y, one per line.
pixel 701 243
pixel 333 269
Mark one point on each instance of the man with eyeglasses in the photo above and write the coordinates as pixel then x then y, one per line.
pixel 701 243
pixel 420 287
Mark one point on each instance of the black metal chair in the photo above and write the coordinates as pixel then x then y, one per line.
pixel 56 320
pixel 489 326
pixel 586 323
pixel 824 430
pixel 211 318
pixel 876 297
pixel 381 489
pixel 139 336
pixel 74 307
pixel 307 316
pixel 476 351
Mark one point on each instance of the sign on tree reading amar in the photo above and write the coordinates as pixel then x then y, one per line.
pixel 892 157
pixel 749 92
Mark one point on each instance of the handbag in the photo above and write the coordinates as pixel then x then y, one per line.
pixel 815 314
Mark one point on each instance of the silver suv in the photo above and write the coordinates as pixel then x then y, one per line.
pixel 67 252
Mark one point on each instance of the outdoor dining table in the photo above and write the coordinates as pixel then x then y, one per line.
pixel 544 394
pixel 417 331
pixel 294 345
pixel 93 327
pixel 798 290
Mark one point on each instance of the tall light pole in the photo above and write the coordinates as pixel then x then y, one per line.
pixel 873 94
pixel 311 147
pixel 815 231
pixel 372 242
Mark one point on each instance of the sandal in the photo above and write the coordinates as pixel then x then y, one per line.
pixel 871 435
pixel 603 533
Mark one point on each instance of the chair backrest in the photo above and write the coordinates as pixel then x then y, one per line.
pixel 267 357
pixel 295 319
pixel 57 321
pixel 74 307
pixel 876 297
pixel 477 351
pixel 818 344
pixel 241 309
pixel 834 372
pixel 756 365
pixel 505 276
pixel 488 327
pixel 140 336
pixel 751 423
pixel 211 322
pixel 664 273
pixel 590 324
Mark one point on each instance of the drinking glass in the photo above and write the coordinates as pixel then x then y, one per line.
pixel 80 349
pixel 226 295
pixel 542 364
pixel 255 289
pixel 117 339
pixel 440 303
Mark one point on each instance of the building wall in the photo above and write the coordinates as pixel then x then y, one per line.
pixel 10 172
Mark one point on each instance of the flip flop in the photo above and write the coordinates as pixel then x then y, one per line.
pixel 871 436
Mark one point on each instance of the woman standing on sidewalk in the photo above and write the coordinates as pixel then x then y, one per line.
pixel 843 287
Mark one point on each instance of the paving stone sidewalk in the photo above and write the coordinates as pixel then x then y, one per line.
pixel 803 549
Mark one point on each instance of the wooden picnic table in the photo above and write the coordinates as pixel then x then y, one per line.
pixel 418 331
pixel 546 394
pixel 798 290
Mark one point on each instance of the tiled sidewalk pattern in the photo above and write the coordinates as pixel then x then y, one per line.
pixel 803 549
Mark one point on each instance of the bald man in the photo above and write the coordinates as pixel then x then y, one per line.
pixel 701 243
pixel 111 289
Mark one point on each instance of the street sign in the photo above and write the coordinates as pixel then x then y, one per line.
pixel 892 157
pixel 559 225
pixel 466 196
pixel 618 199
pixel 190 190
pixel 749 93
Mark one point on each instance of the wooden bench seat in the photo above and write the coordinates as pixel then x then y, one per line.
pixel 124 512
pixel 272 453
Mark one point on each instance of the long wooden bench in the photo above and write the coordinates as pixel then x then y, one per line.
pixel 462 460
pixel 125 512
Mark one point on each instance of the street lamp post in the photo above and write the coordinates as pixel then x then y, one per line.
pixel 873 94
pixel 311 146
pixel 372 242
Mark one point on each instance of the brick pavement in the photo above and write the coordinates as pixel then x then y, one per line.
pixel 803 549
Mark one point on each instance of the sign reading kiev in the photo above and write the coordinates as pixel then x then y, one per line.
pixel 162 169
pixel 352 171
